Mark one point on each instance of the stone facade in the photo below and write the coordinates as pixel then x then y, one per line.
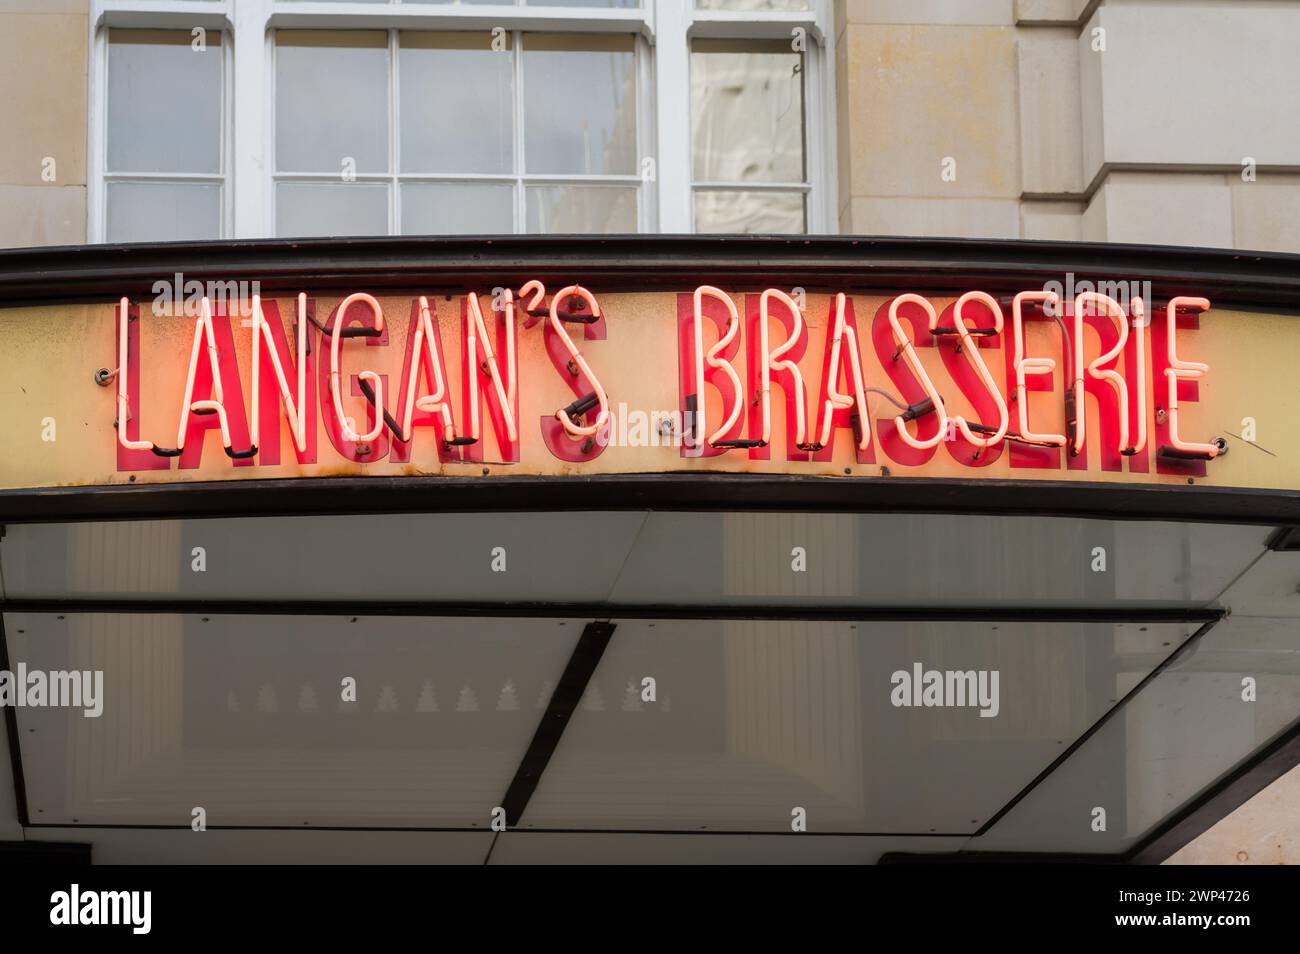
pixel 43 62
pixel 1150 121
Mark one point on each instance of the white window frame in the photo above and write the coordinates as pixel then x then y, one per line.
pixel 101 177
pixel 665 29
pixel 519 180
pixel 821 212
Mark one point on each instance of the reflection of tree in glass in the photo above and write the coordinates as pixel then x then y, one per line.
pixel 748 127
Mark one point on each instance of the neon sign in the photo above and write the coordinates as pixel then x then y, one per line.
pixel 933 382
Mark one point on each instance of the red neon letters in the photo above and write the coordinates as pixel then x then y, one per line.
pixel 904 407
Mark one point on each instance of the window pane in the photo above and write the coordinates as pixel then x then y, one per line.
pixel 579 105
pixel 1156 754
pixel 637 558
pixel 749 212
pixel 755 716
pixel 457 103
pixel 242 715
pixel 331 101
pixel 331 208
pixel 422 555
pixel 455 208
pixel 575 209
pixel 164 102
pixel 626 4
pixel 163 211
pixel 747 111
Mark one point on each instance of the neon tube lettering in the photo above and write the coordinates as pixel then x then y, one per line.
pixel 203 333
pixel 296 410
pixel 437 401
pixel 1180 370
pixel 973 356
pixel 123 402
pixel 477 333
pixel 733 328
pixel 1138 309
pixel 335 335
pixel 1024 365
pixel 1113 377
pixel 843 335
pixel 572 428
pixel 914 364
pixel 771 359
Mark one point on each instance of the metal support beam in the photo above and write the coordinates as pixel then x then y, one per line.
pixel 568 693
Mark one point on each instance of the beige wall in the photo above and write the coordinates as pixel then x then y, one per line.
pixel 925 82
pixel 1263 831
pixel 43 56
pixel 1050 138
